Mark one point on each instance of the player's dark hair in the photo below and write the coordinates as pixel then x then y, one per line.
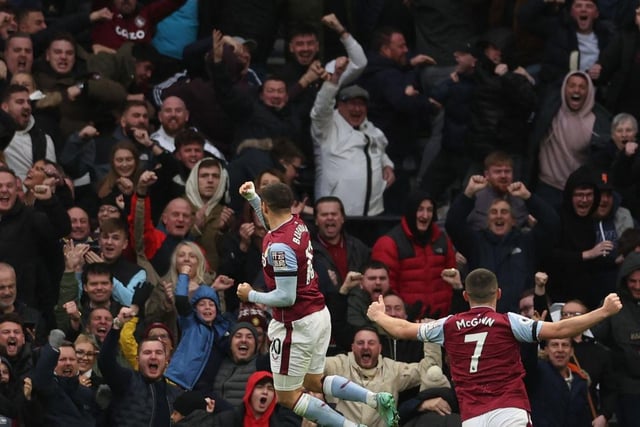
pixel 278 197
pixel 481 285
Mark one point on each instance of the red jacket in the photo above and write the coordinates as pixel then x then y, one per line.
pixel 139 27
pixel 416 278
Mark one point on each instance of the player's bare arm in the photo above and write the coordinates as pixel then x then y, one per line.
pixel 248 191
pixel 571 327
pixel 399 328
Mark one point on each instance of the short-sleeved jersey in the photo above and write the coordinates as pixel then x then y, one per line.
pixel 484 354
pixel 287 251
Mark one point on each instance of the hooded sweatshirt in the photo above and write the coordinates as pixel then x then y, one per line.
pixel 621 333
pixel 416 259
pixel 570 275
pixel 567 146
pixel 250 419
pixel 209 236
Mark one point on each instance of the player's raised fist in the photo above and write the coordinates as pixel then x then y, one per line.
pixel 612 304
pixel 243 291
pixel 247 190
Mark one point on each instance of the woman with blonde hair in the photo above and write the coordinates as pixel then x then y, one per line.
pixel 157 303
pixel 87 351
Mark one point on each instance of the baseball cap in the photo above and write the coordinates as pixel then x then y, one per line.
pixel 249 43
pixel 467 47
pixel 351 92
pixel 603 181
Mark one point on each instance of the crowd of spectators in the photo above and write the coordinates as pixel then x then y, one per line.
pixel 459 134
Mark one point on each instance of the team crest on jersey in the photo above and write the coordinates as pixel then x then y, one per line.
pixel 140 21
pixel 279 259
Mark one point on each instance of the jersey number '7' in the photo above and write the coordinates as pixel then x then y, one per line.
pixel 479 339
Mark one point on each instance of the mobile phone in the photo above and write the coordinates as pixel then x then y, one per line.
pixel 29 324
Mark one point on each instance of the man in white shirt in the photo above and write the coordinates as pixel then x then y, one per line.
pixel 173 117
pixel 29 143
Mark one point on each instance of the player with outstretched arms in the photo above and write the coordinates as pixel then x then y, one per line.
pixel 483 349
pixel 301 325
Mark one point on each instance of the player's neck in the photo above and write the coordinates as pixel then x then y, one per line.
pixel 276 220
pixel 483 304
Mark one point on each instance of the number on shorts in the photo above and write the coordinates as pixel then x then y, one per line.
pixel 479 339
pixel 276 348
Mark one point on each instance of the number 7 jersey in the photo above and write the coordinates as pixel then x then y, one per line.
pixel 484 356
pixel 287 251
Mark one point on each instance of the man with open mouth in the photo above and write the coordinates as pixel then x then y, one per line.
pixel 56 380
pixel 13 345
pixel 582 31
pixel 364 364
pixel 142 397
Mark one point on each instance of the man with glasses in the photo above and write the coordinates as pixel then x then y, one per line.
pixel 580 255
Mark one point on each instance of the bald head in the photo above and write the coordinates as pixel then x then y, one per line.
pixel 8 289
pixel 177 217
pixel 173 115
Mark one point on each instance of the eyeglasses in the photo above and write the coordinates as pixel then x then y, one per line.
pixel 107 209
pixel 82 353
pixel 583 195
pixel 570 313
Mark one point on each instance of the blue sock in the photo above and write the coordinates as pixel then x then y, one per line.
pixel 342 388
pixel 319 412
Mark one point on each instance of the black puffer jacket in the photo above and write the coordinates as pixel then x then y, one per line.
pixel 136 401
pixel 500 109
pixel 24 231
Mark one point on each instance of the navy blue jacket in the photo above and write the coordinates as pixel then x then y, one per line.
pixel 553 404
pixel 513 258
pixel 455 97
pixel 66 402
